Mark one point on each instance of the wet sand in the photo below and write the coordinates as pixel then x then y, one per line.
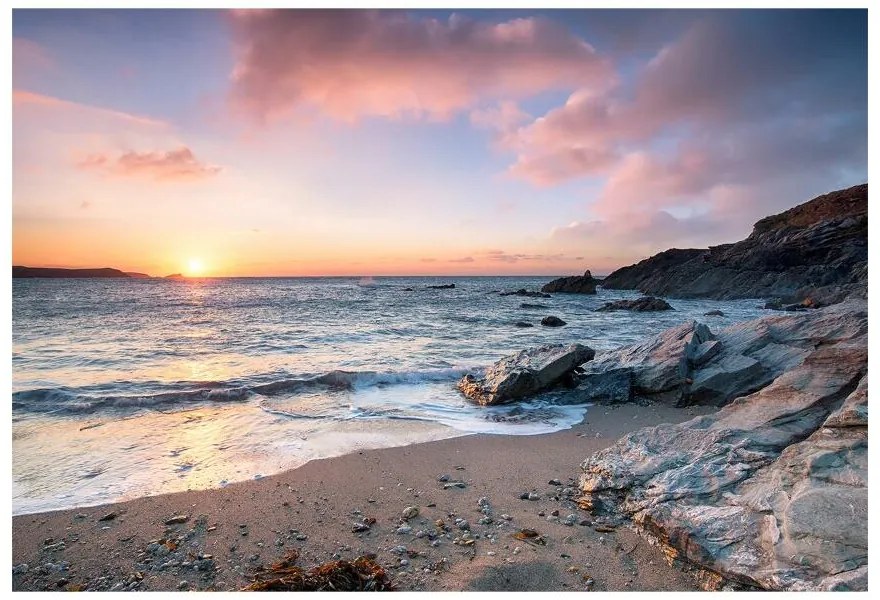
pixel 231 531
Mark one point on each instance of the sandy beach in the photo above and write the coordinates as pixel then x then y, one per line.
pixel 228 533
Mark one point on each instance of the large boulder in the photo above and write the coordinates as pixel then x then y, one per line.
pixel 577 284
pixel 817 250
pixel 525 373
pixel 643 304
pixel 770 491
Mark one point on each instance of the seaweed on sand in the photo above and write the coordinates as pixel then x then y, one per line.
pixel 363 574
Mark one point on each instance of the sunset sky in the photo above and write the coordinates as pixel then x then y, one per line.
pixel 423 142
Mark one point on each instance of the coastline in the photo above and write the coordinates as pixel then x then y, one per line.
pixel 232 530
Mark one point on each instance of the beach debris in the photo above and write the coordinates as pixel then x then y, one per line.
pixel 177 519
pixel 410 512
pixel 454 484
pixel 361 574
pixel 530 536
pixel 108 517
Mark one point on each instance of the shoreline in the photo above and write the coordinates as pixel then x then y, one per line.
pixel 230 531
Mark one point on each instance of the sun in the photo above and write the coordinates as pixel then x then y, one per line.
pixel 195 267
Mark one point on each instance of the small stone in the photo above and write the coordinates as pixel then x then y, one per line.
pixel 183 585
pixel 302 537
pixel 410 512
pixel 443 478
pixel 533 496
pixel 524 496
pixel 177 519
pixel 554 482
pixel 20 569
pixel 404 530
pixel 517 550
pixel 108 517
pixel 359 527
pixel 555 512
pixel 454 484
pixel 507 517
pixel 483 502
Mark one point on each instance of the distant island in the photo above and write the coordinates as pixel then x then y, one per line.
pixel 20 272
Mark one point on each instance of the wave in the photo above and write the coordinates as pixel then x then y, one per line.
pixel 82 401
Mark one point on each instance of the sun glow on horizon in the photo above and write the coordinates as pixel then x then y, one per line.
pixel 195 267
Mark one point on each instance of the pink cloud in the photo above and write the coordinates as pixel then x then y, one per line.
pixel 29 57
pixel 23 99
pixel 350 64
pixel 179 164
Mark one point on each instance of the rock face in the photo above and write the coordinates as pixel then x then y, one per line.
pixel 525 373
pixel 579 284
pixel 770 491
pixel 818 250
pixel 644 304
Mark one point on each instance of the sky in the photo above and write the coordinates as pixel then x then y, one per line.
pixel 368 143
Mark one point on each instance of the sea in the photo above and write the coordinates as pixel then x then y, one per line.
pixel 123 388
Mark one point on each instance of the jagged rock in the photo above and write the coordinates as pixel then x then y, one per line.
pixel 445 286
pixel 525 373
pixel 644 304
pixel 524 292
pixel 523 324
pixel 817 250
pixel 713 313
pixel 532 306
pixel 578 284
pixel 770 491
pixel 552 321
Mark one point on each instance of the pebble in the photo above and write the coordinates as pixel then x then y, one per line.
pixel 524 496
pixel 20 569
pixel 533 496
pixel 554 482
pixel 177 519
pixel 183 585
pixel 435 543
pixel 404 530
pixel 410 512
pixel 302 537
pixel 517 550
pixel 454 484
pixel 507 517
pixel 404 562
pixel 359 527
pixel 443 478
pixel 108 517
pixel 398 550
pixel 483 502
pixel 490 553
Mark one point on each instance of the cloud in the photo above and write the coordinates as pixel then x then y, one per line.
pixel 356 63
pixel 466 259
pixel 23 100
pixel 28 59
pixel 179 164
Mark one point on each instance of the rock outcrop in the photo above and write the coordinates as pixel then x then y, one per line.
pixel 443 286
pixel 818 250
pixel 644 304
pixel 578 284
pixel 526 373
pixel 525 293
pixel 770 491
pixel 552 321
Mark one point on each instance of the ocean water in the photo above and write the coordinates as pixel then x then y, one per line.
pixel 127 388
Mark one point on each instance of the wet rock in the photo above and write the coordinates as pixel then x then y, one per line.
pixel 713 313
pixel 552 321
pixel 528 306
pixel 523 324
pixel 525 373
pixel 445 286
pixel 643 304
pixel 770 491
pixel 525 293
pixel 578 284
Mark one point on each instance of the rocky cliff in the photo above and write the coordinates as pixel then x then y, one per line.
pixel 817 250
